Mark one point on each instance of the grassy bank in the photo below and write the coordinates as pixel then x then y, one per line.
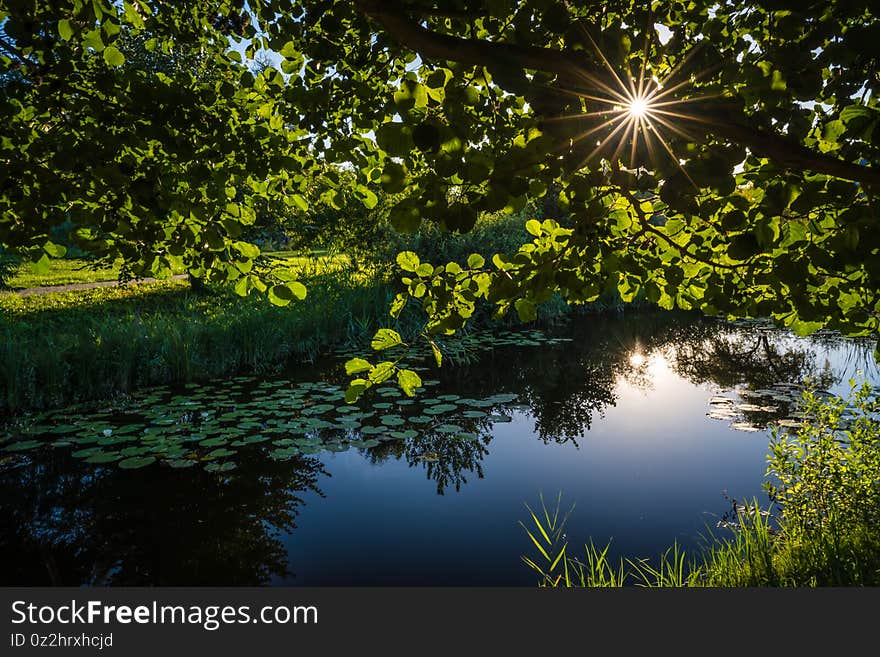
pixel 68 347
pixel 822 528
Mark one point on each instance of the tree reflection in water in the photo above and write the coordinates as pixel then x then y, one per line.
pixel 65 522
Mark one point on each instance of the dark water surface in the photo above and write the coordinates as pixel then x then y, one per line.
pixel 650 423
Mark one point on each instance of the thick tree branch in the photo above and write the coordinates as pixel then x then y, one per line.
pixel 791 154
pixel 570 70
pixel 432 45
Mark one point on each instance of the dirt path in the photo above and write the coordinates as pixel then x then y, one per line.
pixel 85 286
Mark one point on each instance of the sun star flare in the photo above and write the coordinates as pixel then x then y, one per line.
pixel 638 107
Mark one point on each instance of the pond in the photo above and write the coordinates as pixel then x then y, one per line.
pixel 652 424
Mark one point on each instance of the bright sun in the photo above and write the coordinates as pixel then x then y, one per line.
pixel 638 107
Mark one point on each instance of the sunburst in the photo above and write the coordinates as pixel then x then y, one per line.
pixel 639 108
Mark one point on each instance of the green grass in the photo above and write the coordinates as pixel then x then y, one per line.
pixel 61 272
pixel 73 271
pixel 824 480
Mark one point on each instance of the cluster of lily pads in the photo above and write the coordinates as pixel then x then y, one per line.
pixel 208 425
pixel 482 341
pixel 756 410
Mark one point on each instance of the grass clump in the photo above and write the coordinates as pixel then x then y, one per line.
pixel 822 527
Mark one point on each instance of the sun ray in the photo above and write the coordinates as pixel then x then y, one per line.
pixel 631 120
pixel 693 51
pixel 640 107
pixel 569 117
pixel 674 158
pixel 648 34
pixel 694 99
pixel 592 79
pixel 580 137
pixel 646 133
pixel 580 94
pixel 670 126
pixel 604 59
pixel 654 96
pixel 687 117
pixel 594 130
pixel 634 141
pixel 601 145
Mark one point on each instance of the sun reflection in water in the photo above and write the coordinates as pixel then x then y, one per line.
pixel 648 370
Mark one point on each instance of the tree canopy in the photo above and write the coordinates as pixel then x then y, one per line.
pixel 719 156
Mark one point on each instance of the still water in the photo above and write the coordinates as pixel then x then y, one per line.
pixel 650 424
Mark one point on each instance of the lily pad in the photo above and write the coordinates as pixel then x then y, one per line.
pixel 104 457
pixel 181 463
pixel 22 446
pixel 449 428
pixel 220 467
pixel 219 453
pixel 136 462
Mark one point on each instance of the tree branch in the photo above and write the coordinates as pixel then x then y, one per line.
pixel 570 70
pixel 12 50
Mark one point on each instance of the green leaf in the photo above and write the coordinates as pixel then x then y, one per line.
pixel 385 339
pixel 476 261
pixel 398 304
pixel 54 250
pixel 355 390
pixel 65 30
pixel 526 310
pixel 241 286
pixel 113 56
pixel 408 381
pixel 247 249
pixel 408 261
pixel 92 39
pixel 300 202
pixel 405 217
pixel 289 50
pixel 43 265
pixel 135 462
pixel 381 372
pixel 283 294
pixel 356 365
pixel 299 290
pixel 395 139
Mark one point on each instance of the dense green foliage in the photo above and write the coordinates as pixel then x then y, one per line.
pixel 745 189
pixel 824 480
